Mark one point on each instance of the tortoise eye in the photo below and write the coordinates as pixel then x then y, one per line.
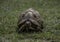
pixel 35 16
pixel 23 15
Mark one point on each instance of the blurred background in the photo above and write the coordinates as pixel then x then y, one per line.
pixel 10 11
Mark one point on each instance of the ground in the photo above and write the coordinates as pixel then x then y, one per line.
pixel 10 11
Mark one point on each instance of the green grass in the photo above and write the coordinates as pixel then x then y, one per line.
pixel 10 11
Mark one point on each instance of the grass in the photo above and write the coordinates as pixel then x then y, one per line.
pixel 10 11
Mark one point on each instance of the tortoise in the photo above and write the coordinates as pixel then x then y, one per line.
pixel 30 21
